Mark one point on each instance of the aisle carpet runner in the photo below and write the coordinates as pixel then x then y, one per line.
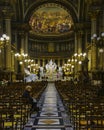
pixel 52 115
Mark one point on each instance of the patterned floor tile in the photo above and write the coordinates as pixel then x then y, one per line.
pixel 49 109
pixel 48 121
pixel 50 101
pixel 51 104
pixel 48 114
pixel 48 129
pixel 52 115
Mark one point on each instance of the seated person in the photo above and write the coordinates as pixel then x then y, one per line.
pixel 31 101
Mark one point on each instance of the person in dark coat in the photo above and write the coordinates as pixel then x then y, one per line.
pixel 28 96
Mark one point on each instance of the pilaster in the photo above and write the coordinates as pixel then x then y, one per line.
pixel 93 16
pixel 8 47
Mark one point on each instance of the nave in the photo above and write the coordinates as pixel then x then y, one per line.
pixel 63 106
pixel 53 115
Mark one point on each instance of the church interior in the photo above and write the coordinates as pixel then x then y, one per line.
pixel 57 48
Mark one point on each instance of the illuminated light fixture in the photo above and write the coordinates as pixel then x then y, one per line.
pixel 84 54
pixel 75 54
pixel 20 62
pixel 68 60
pixel 80 62
pixel 4 40
pixel 72 66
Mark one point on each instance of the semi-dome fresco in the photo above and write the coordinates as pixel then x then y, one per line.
pixel 51 18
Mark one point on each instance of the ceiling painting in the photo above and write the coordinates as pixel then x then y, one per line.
pixel 51 19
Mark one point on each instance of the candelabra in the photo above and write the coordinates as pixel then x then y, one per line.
pixel 4 40
pixel 34 68
pixel 5 57
pixel 21 57
pixel 78 62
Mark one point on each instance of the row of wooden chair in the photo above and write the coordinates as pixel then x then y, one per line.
pixel 14 109
pixel 83 105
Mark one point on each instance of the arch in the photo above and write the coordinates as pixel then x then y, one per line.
pixel 64 4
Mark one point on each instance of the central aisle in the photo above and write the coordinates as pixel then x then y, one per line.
pixel 52 115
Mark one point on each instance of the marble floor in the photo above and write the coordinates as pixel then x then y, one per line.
pixel 52 115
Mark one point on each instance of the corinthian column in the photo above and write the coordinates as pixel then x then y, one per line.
pixel 8 47
pixel 0 59
pixel 79 49
pixel 93 47
pixel 102 61
pixel 26 43
pixel 76 51
pixel 16 63
pixel 22 42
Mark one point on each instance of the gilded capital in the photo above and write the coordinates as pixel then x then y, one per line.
pixel 79 33
pixel 94 14
pixel 89 1
pixel 23 26
pixel 7 14
pixel 94 10
pixel 79 26
pixel 22 33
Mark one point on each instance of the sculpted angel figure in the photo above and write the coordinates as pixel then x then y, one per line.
pixel 51 67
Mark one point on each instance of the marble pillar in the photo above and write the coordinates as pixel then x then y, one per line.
pixel 26 43
pixel 43 63
pixel 0 58
pixel 16 62
pixel 39 62
pixel 102 55
pixel 93 47
pixel 79 47
pixel 58 62
pixel 22 49
pixel 76 51
pixel 8 47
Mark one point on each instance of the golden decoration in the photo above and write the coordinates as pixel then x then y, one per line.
pixel 48 122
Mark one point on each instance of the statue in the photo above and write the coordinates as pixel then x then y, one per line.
pixel 60 73
pixel 51 67
pixel 41 72
pixel 29 77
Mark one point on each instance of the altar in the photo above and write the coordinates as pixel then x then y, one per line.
pixel 51 70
